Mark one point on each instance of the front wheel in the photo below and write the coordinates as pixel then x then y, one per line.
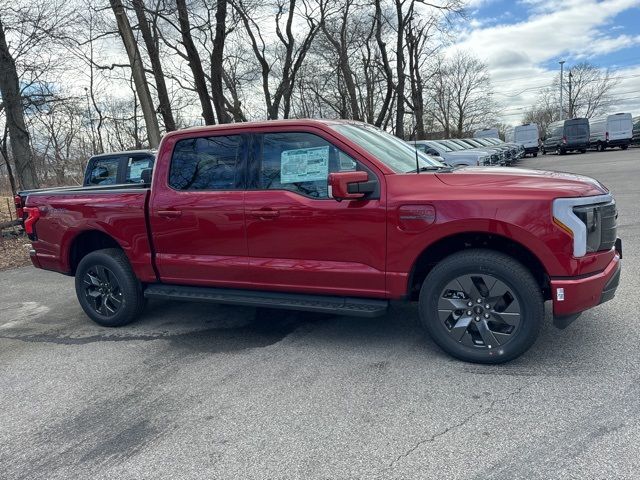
pixel 481 306
pixel 107 289
pixel 624 147
pixel 535 155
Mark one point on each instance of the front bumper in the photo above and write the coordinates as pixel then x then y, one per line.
pixel 575 295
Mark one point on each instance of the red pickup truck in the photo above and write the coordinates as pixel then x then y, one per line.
pixel 341 217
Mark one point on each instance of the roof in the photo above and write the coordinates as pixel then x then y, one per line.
pixel 125 152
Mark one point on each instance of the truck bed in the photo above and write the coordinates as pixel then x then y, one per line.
pixel 71 216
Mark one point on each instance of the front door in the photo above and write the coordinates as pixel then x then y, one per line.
pixel 300 239
pixel 196 211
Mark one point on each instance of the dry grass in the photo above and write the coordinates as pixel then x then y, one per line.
pixel 14 249
pixel 14 252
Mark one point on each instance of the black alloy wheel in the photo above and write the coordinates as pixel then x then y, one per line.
pixel 107 288
pixel 102 290
pixel 481 306
pixel 479 311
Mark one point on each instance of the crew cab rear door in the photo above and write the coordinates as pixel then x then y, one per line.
pixel 300 239
pixel 196 209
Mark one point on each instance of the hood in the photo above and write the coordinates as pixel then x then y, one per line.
pixel 565 184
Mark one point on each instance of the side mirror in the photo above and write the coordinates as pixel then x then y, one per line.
pixel 350 185
pixel 145 176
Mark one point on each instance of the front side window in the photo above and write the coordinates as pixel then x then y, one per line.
pixel 135 167
pixel 104 171
pixel 207 163
pixel 299 162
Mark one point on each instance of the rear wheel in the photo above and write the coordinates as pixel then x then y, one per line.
pixel 559 151
pixel 107 289
pixel 624 147
pixel 481 306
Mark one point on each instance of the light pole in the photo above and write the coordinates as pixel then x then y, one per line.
pixel 561 62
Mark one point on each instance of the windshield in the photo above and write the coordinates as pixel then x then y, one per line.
pixel 440 145
pixel 452 145
pixel 398 155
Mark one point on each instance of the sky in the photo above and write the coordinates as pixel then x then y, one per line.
pixel 522 41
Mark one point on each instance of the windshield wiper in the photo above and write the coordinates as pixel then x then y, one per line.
pixel 433 168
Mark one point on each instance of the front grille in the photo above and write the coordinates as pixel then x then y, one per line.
pixel 601 222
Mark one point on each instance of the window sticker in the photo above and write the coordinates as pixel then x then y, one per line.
pixel 304 165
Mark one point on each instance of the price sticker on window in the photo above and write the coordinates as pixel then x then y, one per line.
pixel 304 165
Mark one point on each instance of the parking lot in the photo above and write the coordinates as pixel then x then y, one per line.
pixel 202 391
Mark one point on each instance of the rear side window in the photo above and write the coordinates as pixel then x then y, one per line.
pixel 104 171
pixel 135 167
pixel 298 162
pixel 576 130
pixel 207 163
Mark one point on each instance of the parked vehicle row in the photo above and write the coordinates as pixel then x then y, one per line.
pixel 472 151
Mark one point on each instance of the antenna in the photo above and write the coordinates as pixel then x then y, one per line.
pixel 415 144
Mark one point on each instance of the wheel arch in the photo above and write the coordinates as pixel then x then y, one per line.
pixel 443 247
pixel 88 241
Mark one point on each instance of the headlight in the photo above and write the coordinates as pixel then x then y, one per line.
pixel 591 221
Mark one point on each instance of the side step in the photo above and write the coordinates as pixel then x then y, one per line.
pixel 358 307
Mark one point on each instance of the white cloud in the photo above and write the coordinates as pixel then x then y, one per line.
pixel 555 29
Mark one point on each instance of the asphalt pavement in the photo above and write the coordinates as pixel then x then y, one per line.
pixel 204 391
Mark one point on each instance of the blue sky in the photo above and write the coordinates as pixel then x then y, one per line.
pixel 522 41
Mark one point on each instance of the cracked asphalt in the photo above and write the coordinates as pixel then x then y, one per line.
pixel 202 391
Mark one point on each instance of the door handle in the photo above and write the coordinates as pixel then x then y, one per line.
pixel 169 213
pixel 265 213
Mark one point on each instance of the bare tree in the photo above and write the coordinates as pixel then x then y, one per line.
pixel 150 38
pixel 138 72
pixel 289 56
pixel 589 90
pixel 12 100
pixel 463 95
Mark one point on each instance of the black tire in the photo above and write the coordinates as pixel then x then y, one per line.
pixel 535 155
pixel 544 152
pixel 107 289
pixel 519 286
pixel 624 147
pixel 583 151
pixel 601 147
pixel 559 151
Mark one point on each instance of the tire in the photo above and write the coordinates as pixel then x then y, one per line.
pixel 107 289
pixel 505 335
pixel 559 151
pixel 544 152
pixel 583 151
pixel 601 147
pixel 535 155
pixel 624 147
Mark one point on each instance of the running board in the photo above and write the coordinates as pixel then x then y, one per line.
pixel 358 307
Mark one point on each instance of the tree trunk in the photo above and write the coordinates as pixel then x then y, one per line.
pixel 18 133
pixel 195 64
pixel 400 71
pixel 156 66
pixel 137 69
pixel 217 55
pixel 4 151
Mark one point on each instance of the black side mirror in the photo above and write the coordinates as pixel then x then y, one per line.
pixel 145 176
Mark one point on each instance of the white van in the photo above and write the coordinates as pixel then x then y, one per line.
pixel 486 133
pixel 611 131
pixel 527 135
